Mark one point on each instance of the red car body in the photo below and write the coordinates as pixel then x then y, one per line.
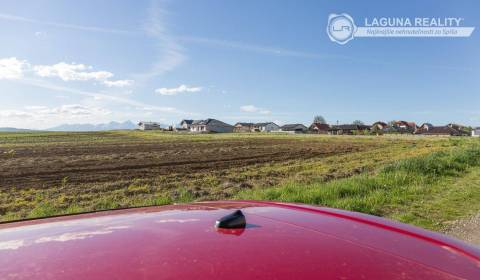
pixel 280 241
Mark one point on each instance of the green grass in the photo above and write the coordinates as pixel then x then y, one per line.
pixel 428 191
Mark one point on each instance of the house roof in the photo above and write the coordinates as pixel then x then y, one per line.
pixel 197 122
pixel 265 124
pixel 349 127
pixel 291 127
pixel 319 126
pixel 442 130
pixel 380 123
pixel 243 124
pixel 427 124
pixel 405 123
pixel 209 122
pixel 187 121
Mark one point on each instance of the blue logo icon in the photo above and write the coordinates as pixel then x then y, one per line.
pixel 341 28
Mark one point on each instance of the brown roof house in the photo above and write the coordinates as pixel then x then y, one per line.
pixel 379 126
pixel 441 131
pixel 243 127
pixel 320 128
pixel 402 127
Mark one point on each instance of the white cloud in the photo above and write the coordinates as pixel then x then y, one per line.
pixel 177 90
pixel 248 108
pixel 63 111
pixel 73 110
pixel 119 83
pixel 105 97
pixel 12 68
pixel 15 114
pixel 254 109
pixel 40 35
pixel 71 72
pixel 35 107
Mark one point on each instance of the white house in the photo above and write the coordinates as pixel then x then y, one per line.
pixel 186 124
pixel 266 127
pixel 149 126
pixel 476 132
pixel 210 125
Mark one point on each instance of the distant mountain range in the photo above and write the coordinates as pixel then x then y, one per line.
pixel 13 129
pixel 94 127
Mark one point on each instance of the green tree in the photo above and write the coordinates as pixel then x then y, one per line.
pixel 319 119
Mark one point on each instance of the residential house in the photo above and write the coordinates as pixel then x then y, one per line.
pixel 186 124
pixel 476 132
pixel 348 129
pixel 456 126
pixel 441 131
pixel 406 125
pixel 425 126
pixel 320 128
pixel 379 126
pixel 149 126
pixel 402 127
pixel 461 128
pixel 294 128
pixel 266 127
pixel 210 125
pixel 243 127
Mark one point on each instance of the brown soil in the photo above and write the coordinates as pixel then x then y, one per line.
pixel 91 162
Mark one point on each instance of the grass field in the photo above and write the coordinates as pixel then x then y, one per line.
pixel 420 180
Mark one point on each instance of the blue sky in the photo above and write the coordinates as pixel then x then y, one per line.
pixel 97 61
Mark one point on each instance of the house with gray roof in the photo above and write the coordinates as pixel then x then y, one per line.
pixel 185 124
pixel 210 125
pixel 266 127
pixel 294 128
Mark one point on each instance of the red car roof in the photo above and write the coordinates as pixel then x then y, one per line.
pixel 280 241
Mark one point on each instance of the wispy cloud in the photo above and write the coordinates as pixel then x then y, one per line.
pixel 16 18
pixel 255 48
pixel 177 90
pixel 254 109
pixel 67 112
pixel 119 83
pixel 169 54
pixel 282 52
pixel 102 96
